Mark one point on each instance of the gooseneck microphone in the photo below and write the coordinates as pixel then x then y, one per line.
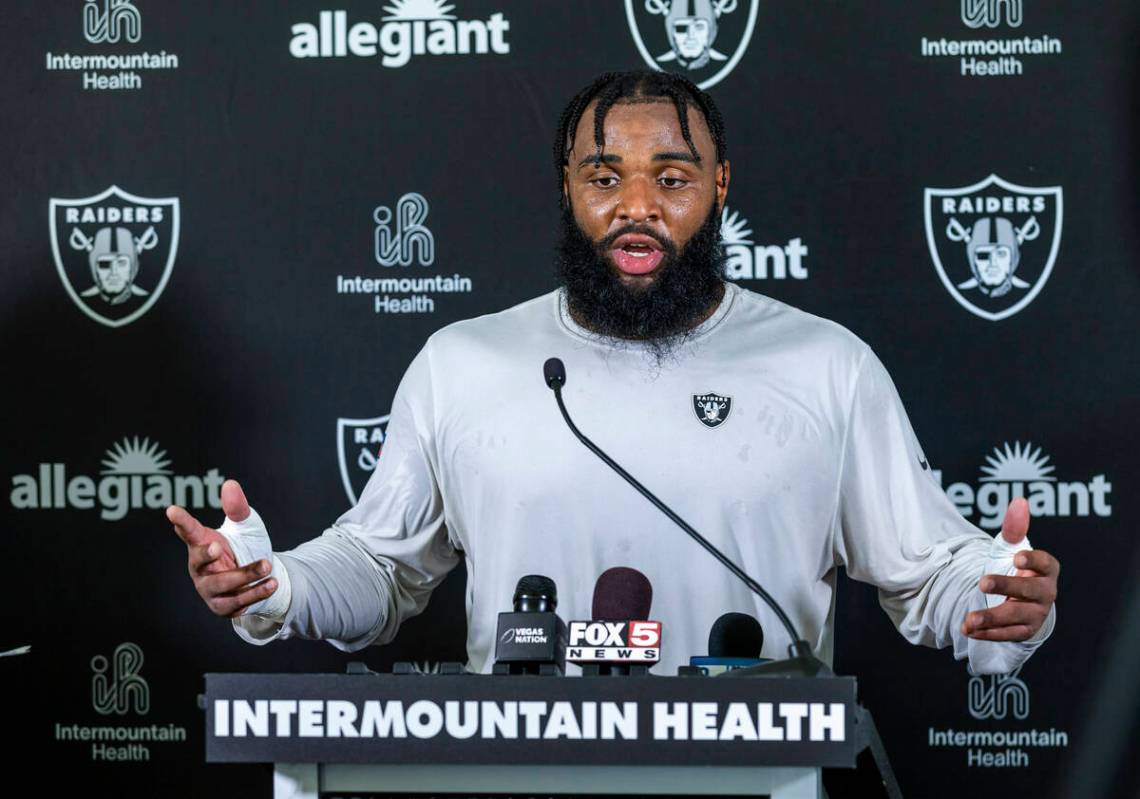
pixel 802 662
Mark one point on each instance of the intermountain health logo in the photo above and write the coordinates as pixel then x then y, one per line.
pixel 996 55
pixel 402 239
pixel 119 689
pixel 408 28
pixel 749 261
pixel 116 686
pixel 999 734
pixel 995 696
pixel 1023 470
pixel 113 24
pixel 358 445
pixel 114 251
pixel 136 474
pixel 700 39
pixel 994 243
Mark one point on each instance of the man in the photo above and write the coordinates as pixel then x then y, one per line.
pixel 811 463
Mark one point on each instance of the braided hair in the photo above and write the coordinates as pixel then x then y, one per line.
pixel 637 86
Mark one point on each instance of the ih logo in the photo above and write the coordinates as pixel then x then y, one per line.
pixel 994 243
pixel 712 409
pixel 358 445
pixel 702 39
pixel 988 13
pixel 108 21
pixel 994 696
pixel 122 689
pixel 114 252
pixel 402 237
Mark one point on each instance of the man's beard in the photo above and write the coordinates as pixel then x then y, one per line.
pixel 661 314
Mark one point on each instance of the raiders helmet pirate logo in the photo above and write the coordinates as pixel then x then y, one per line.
pixel 693 37
pixel 114 252
pixel 358 445
pixel 994 243
pixel 712 409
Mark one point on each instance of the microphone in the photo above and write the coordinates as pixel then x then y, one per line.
pixel 801 661
pixel 736 635
pixel 622 593
pixel 619 640
pixel 735 641
pixel 532 638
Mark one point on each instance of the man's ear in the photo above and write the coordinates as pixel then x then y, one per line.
pixel 565 187
pixel 723 173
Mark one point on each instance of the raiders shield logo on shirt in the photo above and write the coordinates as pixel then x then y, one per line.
pixel 712 409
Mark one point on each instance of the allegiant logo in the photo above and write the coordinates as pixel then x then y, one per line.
pixel 136 475
pixel 410 28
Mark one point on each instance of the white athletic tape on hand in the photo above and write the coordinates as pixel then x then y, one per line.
pixel 1001 562
pixel 250 542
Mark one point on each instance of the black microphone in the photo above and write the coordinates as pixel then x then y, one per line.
pixel 531 639
pixel 620 639
pixel 735 641
pixel 801 661
pixel 736 635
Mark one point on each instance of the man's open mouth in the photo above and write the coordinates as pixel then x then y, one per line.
pixel 636 254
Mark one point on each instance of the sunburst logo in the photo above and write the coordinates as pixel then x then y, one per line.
pixel 746 261
pixel 419 9
pixel 734 228
pixel 1017 463
pixel 131 456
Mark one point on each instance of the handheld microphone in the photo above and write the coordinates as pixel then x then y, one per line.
pixel 735 641
pixel 622 593
pixel 801 661
pixel 531 639
pixel 619 640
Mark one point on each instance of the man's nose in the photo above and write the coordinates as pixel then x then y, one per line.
pixel 639 202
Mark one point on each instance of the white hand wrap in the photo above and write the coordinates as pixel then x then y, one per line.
pixel 1001 562
pixel 249 541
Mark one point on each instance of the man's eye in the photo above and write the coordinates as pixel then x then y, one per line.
pixel 673 183
pixel 604 181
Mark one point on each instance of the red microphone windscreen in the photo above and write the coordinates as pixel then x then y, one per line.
pixel 622 594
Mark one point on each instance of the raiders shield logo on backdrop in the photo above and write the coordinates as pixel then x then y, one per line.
pixel 994 243
pixel 358 445
pixel 114 251
pixel 700 39
pixel 712 409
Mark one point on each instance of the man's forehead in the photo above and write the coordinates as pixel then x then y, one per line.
pixel 643 120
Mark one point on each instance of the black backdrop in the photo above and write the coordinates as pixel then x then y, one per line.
pixel 235 352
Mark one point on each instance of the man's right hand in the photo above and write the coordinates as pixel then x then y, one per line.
pixel 222 584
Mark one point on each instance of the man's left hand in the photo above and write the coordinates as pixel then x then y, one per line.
pixel 1030 594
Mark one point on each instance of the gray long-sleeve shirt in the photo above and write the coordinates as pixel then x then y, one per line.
pixel 813 466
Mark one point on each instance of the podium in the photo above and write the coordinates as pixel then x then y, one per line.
pixel 361 734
